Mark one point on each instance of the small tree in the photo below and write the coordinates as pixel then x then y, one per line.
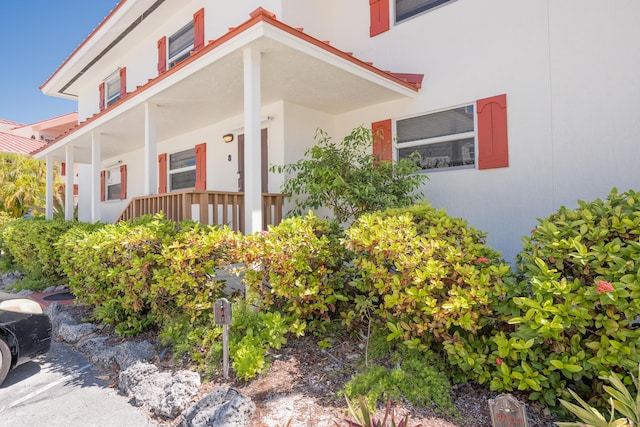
pixel 348 179
pixel 23 184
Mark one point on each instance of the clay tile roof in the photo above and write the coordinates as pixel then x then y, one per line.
pixel 18 144
pixel 9 122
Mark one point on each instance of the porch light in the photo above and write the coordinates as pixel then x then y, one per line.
pixel 227 137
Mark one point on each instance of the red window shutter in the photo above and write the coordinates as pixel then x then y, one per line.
pixel 493 148
pixel 63 169
pixel 162 173
pixel 162 55
pixel 382 140
pixel 123 182
pixel 198 30
pixel 101 89
pixel 123 82
pixel 379 10
pixel 103 183
pixel 201 166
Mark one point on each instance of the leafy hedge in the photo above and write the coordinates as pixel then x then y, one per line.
pixel 568 316
pixel 434 281
pixel 298 267
pixel 581 311
pixel 31 244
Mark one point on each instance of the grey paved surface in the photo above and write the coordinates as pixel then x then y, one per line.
pixel 62 389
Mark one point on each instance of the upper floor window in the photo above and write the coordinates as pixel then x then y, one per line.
pixel 182 170
pixel 181 44
pixel 408 8
pixel 444 140
pixel 112 87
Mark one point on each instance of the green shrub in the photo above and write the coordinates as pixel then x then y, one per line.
pixel 31 244
pixel 581 267
pixel 298 267
pixel 348 179
pixel 185 287
pixel 433 279
pixel 112 269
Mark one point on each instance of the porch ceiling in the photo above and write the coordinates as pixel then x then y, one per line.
pixel 209 88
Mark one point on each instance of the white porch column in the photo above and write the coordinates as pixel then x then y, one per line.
pixel 252 146
pixel 95 177
pixel 68 199
pixel 150 150
pixel 48 210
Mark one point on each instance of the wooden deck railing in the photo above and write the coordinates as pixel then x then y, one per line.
pixel 207 207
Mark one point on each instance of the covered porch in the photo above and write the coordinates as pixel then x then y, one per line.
pixel 224 86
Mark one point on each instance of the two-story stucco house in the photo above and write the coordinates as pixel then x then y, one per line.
pixel 517 107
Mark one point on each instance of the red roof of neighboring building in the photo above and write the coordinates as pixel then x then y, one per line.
pixel 9 122
pixel 18 144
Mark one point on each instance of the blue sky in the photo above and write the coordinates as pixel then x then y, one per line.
pixel 37 36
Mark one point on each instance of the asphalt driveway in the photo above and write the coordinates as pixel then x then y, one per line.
pixel 62 389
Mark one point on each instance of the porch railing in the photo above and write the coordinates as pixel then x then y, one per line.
pixel 207 207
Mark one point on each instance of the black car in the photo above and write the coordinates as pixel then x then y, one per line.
pixel 25 331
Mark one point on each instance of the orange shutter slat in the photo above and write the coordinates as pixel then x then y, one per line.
pixel 201 166
pixel 123 82
pixel 382 140
pixel 103 183
pixel 123 182
pixel 101 90
pixel 379 16
pixel 198 30
pixel 162 173
pixel 162 55
pixel 493 147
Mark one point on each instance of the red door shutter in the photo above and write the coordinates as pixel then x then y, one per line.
pixel 123 182
pixel 103 183
pixel 379 11
pixel 198 30
pixel 201 166
pixel 162 173
pixel 382 140
pixel 493 149
pixel 123 82
pixel 63 169
pixel 101 89
pixel 162 55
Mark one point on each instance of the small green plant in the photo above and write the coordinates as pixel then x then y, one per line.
pixel 348 179
pixel 362 416
pixel 413 378
pixel 252 334
pixel 621 403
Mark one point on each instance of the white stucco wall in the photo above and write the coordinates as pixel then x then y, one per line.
pixel 569 69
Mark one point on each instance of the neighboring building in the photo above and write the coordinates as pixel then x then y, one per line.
pixel 518 107
pixel 24 139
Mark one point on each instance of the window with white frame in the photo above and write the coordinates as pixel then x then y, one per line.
pixel 442 140
pixel 407 8
pixel 181 44
pixel 112 184
pixel 182 170
pixel 112 87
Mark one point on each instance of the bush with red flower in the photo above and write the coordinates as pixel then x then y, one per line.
pixel 582 270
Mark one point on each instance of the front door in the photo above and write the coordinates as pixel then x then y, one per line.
pixel 264 162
